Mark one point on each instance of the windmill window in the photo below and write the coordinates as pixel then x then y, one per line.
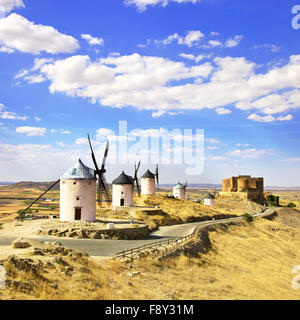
pixel 122 192
pixel 74 182
pixel 77 198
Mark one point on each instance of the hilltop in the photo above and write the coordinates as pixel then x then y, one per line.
pixel 33 185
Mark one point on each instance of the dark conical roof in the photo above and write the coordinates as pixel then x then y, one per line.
pixel 148 174
pixel 123 179
pixel 209 196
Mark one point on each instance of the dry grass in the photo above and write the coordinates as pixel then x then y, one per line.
pixel 247 261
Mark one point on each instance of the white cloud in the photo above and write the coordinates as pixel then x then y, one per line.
pixel 273 103
pixel 250 153
pixel 192 38
pixel 212 148
pixel 161 113
pixel 35 78
pixel 31 131
pixel 143 4
pixel 155 83
pixel 8 5
pixel 223 111
pixel 158 114
pixel 93 41
pixel 212 140
pixel 16 32
pixel 6 50
pixel 269 47
pixel 21 74
pixel 243 145
pixel 233 42
pixel 269 118
pixel 28 161
pixel 37 119
pixel 219 158
pixel 193 57
pixel 65 132
pixel 215 43
pixel 10 115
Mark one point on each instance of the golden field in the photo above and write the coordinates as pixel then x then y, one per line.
pixel 244 261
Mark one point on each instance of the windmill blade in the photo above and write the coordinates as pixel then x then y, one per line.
pixel 38 198
pixel 138 166
pixel 105 155
pixel 99 191
pixel 106 189
pixel 156 176
pixel 93 155
pixel 136 169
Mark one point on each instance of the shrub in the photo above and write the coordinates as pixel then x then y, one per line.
pixel 291 205
pixel 273 200
pixel 248 217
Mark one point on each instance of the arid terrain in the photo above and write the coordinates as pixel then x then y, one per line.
pixel 248 260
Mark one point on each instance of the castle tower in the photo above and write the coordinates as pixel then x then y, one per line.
pixel 78 194
pixel 122 191
pixel 148 183
pixel 179 191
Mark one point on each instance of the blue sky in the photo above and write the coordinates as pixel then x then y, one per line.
pixel 229 67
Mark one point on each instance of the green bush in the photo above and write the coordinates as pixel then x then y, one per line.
pixel 291 205
pixel 248 217
pixel 273 200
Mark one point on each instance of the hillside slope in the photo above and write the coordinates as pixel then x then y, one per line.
pixel 241 261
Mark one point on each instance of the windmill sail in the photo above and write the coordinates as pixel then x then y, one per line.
pixel 103 192
pixel 156 176
pixel 136 169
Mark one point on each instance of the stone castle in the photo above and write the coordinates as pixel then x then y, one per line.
pixel 244 187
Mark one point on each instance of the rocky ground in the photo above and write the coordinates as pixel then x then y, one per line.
pixel 95 230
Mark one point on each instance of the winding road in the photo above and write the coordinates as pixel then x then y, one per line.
pixel 108 248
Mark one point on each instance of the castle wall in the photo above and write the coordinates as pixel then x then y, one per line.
pixel 78 194
pixel 252 187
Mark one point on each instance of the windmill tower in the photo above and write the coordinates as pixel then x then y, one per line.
pixel 148 183
pixel 179 191
pixel 78 188
pixel 122 191
pixel 78 194
pixel 209 200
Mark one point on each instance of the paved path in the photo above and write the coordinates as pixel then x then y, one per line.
pixel 97 247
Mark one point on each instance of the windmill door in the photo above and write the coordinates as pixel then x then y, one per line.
pixel 122 202
pixel 77 213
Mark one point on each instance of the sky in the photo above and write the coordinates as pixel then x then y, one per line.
pixel 164 69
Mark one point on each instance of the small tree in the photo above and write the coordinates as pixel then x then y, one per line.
pixel 273 200
pixel 248 217
pixel 22 214
pixel 291 205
